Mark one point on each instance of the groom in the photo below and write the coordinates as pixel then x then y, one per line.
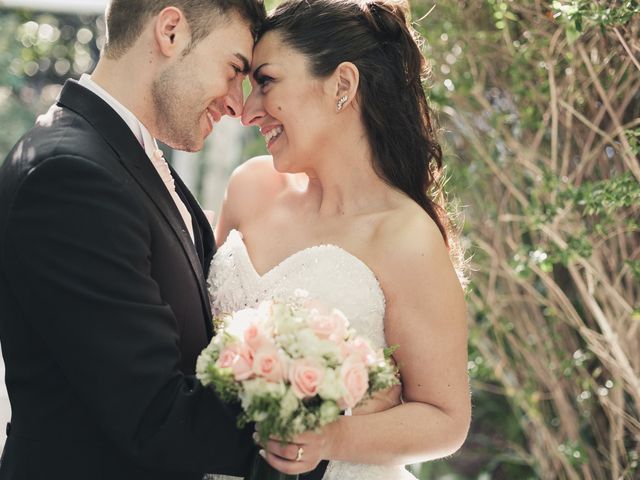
pixel 103 256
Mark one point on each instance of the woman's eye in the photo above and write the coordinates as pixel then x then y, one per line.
pixel 264 80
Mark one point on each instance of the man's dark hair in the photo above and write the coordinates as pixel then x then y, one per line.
pixel 126 18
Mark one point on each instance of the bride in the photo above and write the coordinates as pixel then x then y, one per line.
pixel 340 209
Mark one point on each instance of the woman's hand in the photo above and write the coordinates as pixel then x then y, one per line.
pixel 303 453
pixel 307 450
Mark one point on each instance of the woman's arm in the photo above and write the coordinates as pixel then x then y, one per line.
pixel 426 318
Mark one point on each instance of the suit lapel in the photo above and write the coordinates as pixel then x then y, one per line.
pixel 199 220
pixel 133 157
pixel 203 237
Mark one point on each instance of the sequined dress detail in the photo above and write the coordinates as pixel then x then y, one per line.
pixel 331 275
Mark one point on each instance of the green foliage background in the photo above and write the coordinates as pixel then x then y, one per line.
pixel 539 105
pixel 38 51
pixel 540 113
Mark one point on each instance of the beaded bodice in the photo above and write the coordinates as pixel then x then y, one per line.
pixel 329 273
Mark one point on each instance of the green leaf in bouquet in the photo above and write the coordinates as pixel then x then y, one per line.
pixel 328 412
pixel 382 376
pixel 223 383
pixel 389 351
pixel 219 322
pixel 265 410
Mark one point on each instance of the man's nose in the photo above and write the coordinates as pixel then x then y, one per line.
pixel 233 101
pixel 253 110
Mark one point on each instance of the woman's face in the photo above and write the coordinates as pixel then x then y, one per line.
pixel 293 109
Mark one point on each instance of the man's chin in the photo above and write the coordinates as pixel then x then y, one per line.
pixel 191 145
pixel 196 143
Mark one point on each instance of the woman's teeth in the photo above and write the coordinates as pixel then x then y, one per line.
pixel 273 133
pixel 210 117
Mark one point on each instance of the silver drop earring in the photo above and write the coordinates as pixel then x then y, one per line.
pixel 341 102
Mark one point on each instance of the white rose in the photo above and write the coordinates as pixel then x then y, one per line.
pixel 240 321
pixel 331 387
pixel 329 411
pixel 259 387
pixel 297 424
pixel 285 322
pixel 289 404
pixel 309 345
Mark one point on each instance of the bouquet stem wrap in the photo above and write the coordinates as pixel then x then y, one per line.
pixel 261 470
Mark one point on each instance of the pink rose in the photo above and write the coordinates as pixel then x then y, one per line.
pixel 322 325
pixel 226 358
pixel 254 337
pixel 267 364
pixel 346 350
pixel 305 377
pixel 330 327
pixel 242 365
pixel 355 378
pixel 361 348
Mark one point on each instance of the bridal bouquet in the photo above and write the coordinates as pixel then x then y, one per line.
pixel 294 366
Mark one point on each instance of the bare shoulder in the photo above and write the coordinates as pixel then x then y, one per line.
pixel 257 178
pixel 252 187
pixel 413 260
pixel 412 235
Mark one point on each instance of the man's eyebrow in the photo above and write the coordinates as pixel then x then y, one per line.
pixel 256 72
pixel 246 68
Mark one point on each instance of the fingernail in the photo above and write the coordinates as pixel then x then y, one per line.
pixel 263 454
pixel 256 437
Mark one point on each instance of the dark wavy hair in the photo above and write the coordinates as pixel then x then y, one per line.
pixel 377 37
pixel 125 19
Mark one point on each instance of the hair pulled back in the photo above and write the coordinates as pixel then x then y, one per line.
pixel 377 37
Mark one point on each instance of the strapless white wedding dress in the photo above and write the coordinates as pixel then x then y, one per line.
pixel 331 275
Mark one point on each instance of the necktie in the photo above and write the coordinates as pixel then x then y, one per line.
pixel 165 174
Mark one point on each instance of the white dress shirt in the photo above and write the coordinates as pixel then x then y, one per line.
pixel 148 143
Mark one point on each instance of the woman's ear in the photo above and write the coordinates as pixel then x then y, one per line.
pixel 171 31
pixel 347 78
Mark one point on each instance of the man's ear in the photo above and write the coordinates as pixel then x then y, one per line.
pixel 171 31
pixel 347 78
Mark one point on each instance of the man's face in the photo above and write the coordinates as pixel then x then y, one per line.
pixel 196 90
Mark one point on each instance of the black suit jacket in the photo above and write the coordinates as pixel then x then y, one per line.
pixel 104 309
